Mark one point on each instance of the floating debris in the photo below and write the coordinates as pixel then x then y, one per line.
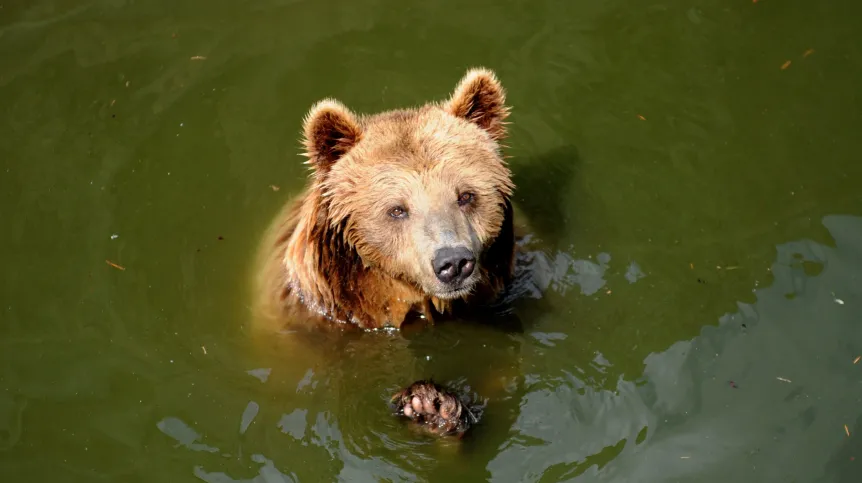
pixel 118 267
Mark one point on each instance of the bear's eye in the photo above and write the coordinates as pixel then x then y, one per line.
pixel 465 199
pixel 398 212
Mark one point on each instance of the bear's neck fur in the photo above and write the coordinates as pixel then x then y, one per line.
pixel 323 277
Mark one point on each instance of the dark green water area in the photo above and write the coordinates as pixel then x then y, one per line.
pixel 690 169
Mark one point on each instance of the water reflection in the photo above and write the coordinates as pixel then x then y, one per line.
pixel 268 474
pixel 262 374
pixel 385 450
pixel 248 416
pixel 183 434
pixel 746 399
pixel 756 398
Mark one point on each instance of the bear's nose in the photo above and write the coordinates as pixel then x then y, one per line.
pixel 453 264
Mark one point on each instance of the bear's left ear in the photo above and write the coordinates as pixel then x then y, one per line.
pixel 330 131
pixel 480 99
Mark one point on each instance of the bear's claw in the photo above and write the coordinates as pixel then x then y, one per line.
pixel 435 409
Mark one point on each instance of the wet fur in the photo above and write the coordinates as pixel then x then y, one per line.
pixel 436 409
pixel 310 267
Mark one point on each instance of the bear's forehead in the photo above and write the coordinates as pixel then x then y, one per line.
pixel 421 138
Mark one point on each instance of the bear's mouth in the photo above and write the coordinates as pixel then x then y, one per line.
pixel 456 291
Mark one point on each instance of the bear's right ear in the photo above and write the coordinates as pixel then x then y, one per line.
pixel 330 131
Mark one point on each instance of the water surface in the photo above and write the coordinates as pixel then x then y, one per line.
pixel 690 171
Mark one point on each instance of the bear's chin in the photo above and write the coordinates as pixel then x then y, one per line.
pixel 452 293
pixel 455 291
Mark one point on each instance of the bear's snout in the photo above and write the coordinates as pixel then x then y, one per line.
pixel 453 264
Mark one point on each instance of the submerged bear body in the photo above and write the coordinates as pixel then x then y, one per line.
pixel 407 213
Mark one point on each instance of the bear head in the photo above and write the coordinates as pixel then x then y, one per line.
pixel 419 194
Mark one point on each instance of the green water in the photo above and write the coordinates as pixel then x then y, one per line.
pixel 655 140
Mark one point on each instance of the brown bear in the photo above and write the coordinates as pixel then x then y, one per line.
pixel 407 213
